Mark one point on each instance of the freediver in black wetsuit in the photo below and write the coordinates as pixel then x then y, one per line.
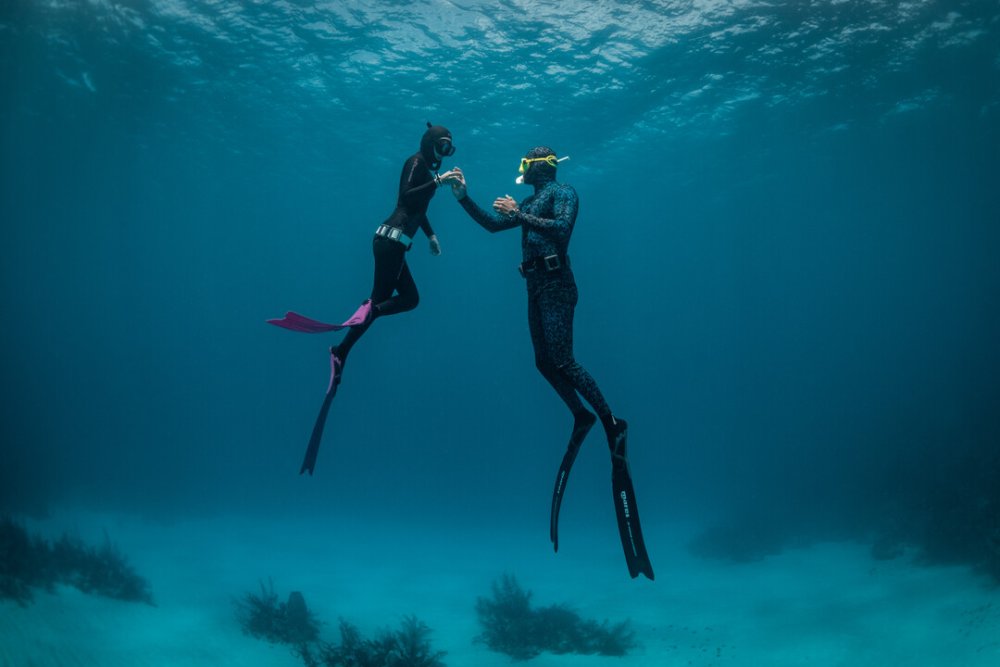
pixel 393 289
pixel 546 219
pixel 417 185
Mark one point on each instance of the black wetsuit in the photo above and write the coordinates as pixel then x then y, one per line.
pixel 546 219
pixel 416 188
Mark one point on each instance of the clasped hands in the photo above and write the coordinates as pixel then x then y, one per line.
pixel 503 205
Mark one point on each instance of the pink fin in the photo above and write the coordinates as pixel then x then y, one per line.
pixel 303 324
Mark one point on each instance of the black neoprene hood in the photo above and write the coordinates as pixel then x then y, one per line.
pixel 433 133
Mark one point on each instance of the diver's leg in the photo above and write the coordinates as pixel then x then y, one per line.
pixel 539 322
pixel 389 260
pixel 543 314
pixel 557 305
pixel 406 297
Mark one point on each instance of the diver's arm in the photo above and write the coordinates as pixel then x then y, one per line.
pixel 425 225
pixel 419 188
pixel 488 220
pixel 435 245
pixel 491 222
pixel 409 181
pixel 564 207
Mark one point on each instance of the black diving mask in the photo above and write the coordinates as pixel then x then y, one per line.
pixel 443 147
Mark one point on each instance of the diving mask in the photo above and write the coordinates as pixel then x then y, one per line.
pixel 526 162
pixel 443 147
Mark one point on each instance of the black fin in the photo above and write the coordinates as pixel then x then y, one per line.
pixel 581 428
pixel 336 368
pixel 309 462
pixel 626 506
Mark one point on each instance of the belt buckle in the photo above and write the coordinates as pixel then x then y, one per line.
pixel 552 262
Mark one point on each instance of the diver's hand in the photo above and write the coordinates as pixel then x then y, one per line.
pixel 505 205
pixel 457 180
pixel 435 245
pixel 452 174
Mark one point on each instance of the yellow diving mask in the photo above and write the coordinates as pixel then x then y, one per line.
pixel 548 159
pixel 526 162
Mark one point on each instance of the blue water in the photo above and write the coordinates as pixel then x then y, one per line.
pixel 786 252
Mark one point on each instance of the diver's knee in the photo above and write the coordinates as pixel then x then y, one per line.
pixel 409 301
pixel 567 367
pixel 544 364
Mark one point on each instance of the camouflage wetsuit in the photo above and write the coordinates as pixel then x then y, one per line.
pixel 546 219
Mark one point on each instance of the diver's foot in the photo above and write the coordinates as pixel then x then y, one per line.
pixel 362 316
pixel 336 366
pixel 617 432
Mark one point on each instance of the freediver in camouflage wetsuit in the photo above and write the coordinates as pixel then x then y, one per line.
pixel 546 219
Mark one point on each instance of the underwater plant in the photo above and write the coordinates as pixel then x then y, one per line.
pixel 408 646
pixel 28 562
pixel 512 627
pixel 264 617
pixel 99 571
pixel 507 620
pixel 23 562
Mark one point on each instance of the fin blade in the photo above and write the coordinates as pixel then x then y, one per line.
pixel 557 495
pixel 627 507
pixel 629 528
pixel 295 322
pixel 312 450
pixel 298 322
pixel 580 431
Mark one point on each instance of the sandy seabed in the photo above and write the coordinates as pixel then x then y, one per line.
pixel 825 605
